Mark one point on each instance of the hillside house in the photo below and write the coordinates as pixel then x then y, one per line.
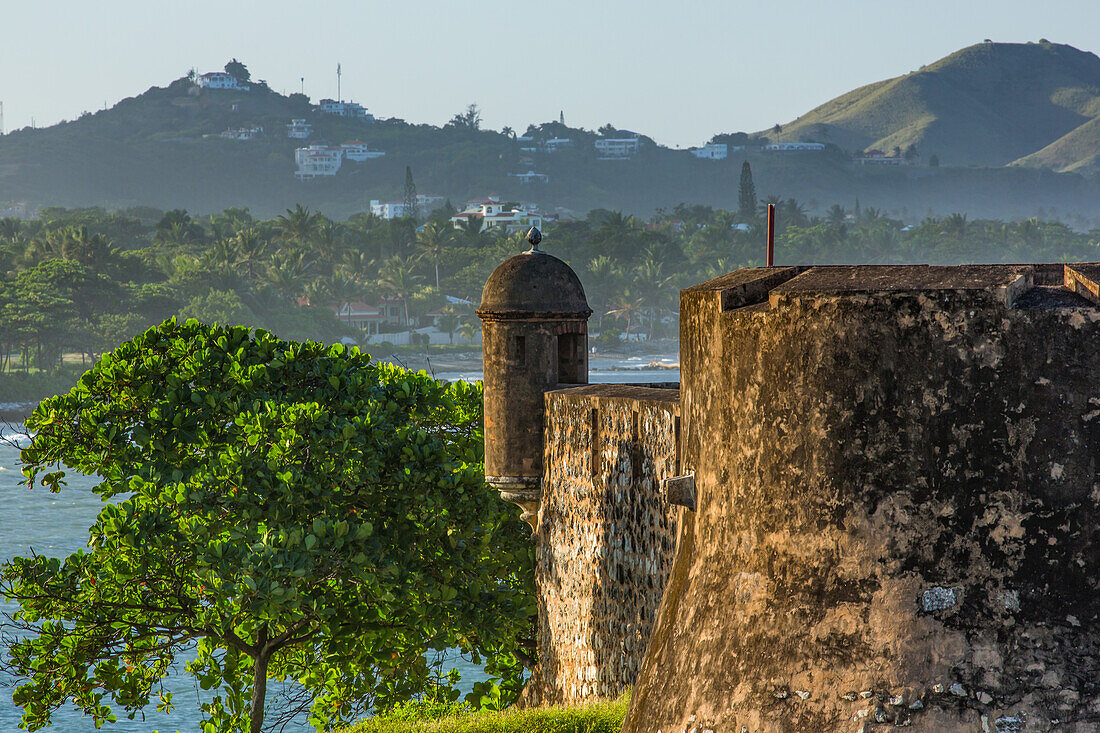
pixel 531 177
pixel 220 80
pixel 299 129
pixel 341 108
pixel 493 214
pixel 617 148
pixel 389 210
pixel 794 147
pixel 317 160
pixel 429 201
pixel 372 319
pixel 877 157
pixel 243 133
pixel 425 202
pixel 359 151
pixel 711 151
pixel 555 144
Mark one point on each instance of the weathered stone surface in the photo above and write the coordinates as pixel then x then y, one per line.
pixel 860 437
pixel 535 337
pixel 606 536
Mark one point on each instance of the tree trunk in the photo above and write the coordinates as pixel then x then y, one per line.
pixel 259 683
pixel 259 693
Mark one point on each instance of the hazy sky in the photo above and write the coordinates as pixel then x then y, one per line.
pixel 677 71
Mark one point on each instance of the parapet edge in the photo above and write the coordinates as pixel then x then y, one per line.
pixel 641 392
pixel 761 288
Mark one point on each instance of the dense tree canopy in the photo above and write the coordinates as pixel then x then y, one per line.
pixel 297 511
pixel 291 273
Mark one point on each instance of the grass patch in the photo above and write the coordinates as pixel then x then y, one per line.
pixel 600 717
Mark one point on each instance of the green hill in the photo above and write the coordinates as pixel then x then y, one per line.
pixel 986 105
pixel 1077 152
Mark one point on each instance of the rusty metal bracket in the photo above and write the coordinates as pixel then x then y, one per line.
pixel 680 490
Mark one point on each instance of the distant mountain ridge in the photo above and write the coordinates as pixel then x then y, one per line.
pixel 999 118
pixel 991 104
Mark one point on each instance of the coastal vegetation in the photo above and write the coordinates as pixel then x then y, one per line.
pixel 290 512
pixel 77 282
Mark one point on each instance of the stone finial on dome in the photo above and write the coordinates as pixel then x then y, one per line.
pixel 534 236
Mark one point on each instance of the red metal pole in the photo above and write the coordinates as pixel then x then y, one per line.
pixel 771 234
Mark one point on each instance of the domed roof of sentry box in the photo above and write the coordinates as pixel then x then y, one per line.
pixel 533 285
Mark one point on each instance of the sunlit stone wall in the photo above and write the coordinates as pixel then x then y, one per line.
pixel 606 537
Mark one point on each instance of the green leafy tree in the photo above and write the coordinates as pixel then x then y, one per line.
pixel 294 510
pixel 468 120
pixel 220 306
pixel 237 70
pixel 746 192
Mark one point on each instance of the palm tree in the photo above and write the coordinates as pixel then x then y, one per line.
pixel 627 307
pixel 337 291
pixel 222 255
pixel 430 242
pixel 397 277
pixel 651 278
pixel 955 226
pixel 774 201
pixel 837 214
pixel 615 226
pixel 469 328
pixel 10 227
pixel 329 242
pixel 249 248
pixel 287 273
pixel 358 264
pixel 448 323
pixel 600 281
pixel 471 228
pixel 298 225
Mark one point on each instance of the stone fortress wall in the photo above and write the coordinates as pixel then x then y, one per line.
pixel 892 479
pixel 900 526
pixel 606 535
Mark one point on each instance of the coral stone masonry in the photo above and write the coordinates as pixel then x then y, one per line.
pixel 894 474
pixel 899 526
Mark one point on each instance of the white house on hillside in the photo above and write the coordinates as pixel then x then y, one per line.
pixel 345 109
pixel 492 213
pixel 359 151
pixel 389 210
pixel 711 151
pixel 555 144
pixel 429 201
pixel 220 80
pixel 425 202
pixel 243 133
pixel 317 160
pixel 794 147
pixel 531 177
pixel 877 157
pixel 610 148
pixel 299 129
